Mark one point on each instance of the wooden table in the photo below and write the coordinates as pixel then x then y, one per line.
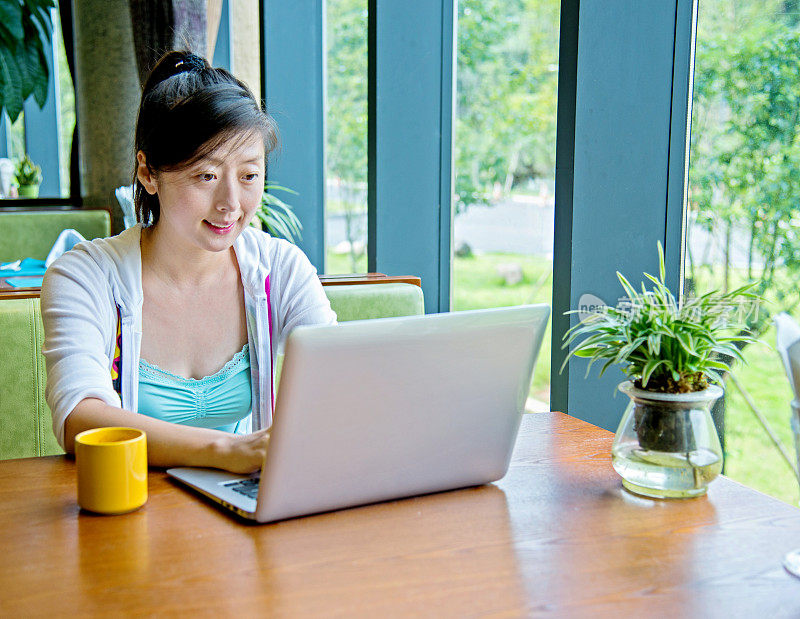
pixel 7 291
pixel 556 536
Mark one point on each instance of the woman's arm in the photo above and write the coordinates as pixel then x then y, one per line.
pixel 170 444
pixel 79 316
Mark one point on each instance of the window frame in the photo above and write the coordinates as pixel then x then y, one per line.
pixel 613 53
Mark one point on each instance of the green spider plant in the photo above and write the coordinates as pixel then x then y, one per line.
pixel 665 346
pixel 276 216
pixel 28 173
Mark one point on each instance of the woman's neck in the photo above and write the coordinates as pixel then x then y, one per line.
pixel 182 266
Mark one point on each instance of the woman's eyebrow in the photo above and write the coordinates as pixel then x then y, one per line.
pixel 218 161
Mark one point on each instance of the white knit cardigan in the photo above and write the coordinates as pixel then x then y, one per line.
pixel 83 289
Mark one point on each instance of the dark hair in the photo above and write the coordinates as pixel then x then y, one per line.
pixel 188 109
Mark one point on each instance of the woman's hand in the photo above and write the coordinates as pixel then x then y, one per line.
pixel 242 453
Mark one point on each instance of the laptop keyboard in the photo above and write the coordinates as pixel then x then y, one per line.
pixel 247 487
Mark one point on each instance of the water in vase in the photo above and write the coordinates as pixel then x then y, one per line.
pixel 665 474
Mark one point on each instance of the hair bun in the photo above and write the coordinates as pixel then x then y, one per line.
pixel 174 63
pixel 190 62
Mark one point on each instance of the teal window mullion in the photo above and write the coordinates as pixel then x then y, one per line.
pixel 410 94
pixel 621 145
pixel 293 47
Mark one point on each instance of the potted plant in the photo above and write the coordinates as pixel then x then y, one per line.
pixel 674 354
pixel 277 217
pixel 29 176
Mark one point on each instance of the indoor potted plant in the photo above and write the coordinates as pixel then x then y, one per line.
pixel 674 354
pixel 29 176
pixel 276 217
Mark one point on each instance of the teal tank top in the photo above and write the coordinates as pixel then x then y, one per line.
pixel 221 401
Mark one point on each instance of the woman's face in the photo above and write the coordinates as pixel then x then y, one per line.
pixel 208 204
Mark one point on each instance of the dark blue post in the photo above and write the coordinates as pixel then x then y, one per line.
pixel 620 168
pixel 293 84
pixel 410 141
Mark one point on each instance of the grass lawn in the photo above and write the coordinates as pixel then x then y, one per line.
pixel 751 458
pixel 477 285
pixel 340 263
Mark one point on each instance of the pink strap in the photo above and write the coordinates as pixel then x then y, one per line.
pixel 271 361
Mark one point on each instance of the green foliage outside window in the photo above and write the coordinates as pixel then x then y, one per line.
pixel 744 185
pixel 347 90
pixel 24 27
pixel 745 150
pixel 346 117
pixel 507 73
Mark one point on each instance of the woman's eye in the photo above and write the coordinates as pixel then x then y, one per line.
pixel 251 177
pixel 206 176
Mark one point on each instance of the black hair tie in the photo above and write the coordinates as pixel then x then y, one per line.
pixel 190 62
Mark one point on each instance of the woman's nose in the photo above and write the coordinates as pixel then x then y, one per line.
pixel 226 197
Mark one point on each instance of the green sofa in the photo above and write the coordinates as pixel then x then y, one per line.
pixel 31 233
pixel 25 422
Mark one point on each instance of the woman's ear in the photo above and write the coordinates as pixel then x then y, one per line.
pixel 145 175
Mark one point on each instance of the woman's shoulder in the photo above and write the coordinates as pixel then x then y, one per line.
pixel 267 250
pixel 117 249
pixel 262 256
pixel 95 264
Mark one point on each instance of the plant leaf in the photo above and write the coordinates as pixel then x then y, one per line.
pixel 11 19
pixel 278 217
pixel 649 368
pixel 10 84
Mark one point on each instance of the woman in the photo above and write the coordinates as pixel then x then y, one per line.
pixel 173 325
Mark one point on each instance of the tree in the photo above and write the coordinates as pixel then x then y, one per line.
pixel 347 114
pixel 745 156
pixel 507 69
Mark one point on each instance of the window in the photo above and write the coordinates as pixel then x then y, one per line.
pixel 507 75
pixel 45 135
pixel 346 137
pixel 744 218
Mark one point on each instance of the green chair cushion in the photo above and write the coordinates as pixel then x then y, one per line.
pixel 31 234
pixel 25 421
pixel 363 301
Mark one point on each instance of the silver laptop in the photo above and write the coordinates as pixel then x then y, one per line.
pixel 375 410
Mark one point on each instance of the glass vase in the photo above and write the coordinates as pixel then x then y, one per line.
pixel 666 445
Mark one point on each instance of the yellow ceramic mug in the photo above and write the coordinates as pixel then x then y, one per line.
pixel 112 469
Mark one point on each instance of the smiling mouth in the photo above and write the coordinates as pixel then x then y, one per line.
pixel 219 229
